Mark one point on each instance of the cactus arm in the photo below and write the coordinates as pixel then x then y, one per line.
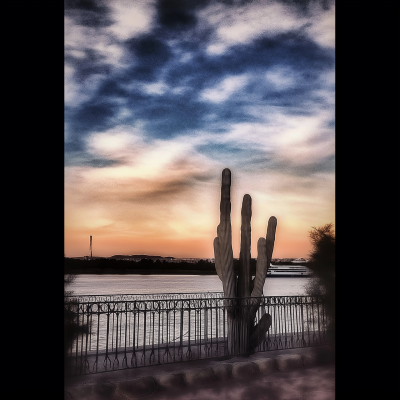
pixel 244 278
pixel 271 230
pixel 261 268
pixel 224 234
pixel 265 248
pixel 260 330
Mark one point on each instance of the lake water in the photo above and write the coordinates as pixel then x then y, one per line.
pixel 92 284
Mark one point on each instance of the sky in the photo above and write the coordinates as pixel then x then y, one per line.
pixel 161 96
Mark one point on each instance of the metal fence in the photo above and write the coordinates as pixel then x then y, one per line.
pixel 129 331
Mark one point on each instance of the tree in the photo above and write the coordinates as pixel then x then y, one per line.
pixel 243 295
pixel 322 264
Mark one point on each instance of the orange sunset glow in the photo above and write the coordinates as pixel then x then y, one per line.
pixel 184 225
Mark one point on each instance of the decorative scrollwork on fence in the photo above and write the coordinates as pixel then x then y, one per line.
pixel 140 297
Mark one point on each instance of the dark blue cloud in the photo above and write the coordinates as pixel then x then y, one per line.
pixel 256 160
pixel 95 115
pixel 89 117
pixel 92 13
pixel 303 6
pixel 331 124
pixel 112 88
pixel 85 61
pixel 226 151
pixel 82 159
pixel 166 118
pixel 291 50
pixel 326 165
pixel 178 15
pixel 97 6
pixel 152 58
pixel 150 53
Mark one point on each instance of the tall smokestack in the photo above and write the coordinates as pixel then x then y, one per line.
pixel 90 246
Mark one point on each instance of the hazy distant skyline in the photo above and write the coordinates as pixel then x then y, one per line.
pixel 161 96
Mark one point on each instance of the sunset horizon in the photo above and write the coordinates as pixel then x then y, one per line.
pixel 194 247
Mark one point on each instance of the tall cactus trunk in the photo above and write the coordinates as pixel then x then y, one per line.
pixel 242 294
pixel 244 278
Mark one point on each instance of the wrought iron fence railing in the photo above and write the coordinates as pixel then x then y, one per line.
pixel 129 331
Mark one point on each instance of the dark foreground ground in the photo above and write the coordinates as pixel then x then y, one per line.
pixel 315 383
pixel 292 374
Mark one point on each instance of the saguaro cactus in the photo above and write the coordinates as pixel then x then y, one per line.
pixel 243 295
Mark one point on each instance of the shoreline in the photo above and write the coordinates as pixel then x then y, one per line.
pixel 109 271
pixel 98 271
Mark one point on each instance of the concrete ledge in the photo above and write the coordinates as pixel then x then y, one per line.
pixel 78 392
pixel 199 376
pixel 309 360
pixel 98 391
pixel 170 381
pixel 266 365
pixel 244 369
pixel 137 388
pixel 287 362
pixel 122 386
pixel 324 355
pixel 222 371
pixel 104 390
pixel 67 395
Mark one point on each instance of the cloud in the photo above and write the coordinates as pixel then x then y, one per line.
pixel 292 145
pixel 157 186
pixel 85 43
pixel 224 89
pixel 90 56
pixel 91 13
pixel 155 88
pixel 76 93
pixel 140 157
pixel 131 18
pixel 93 51
pixel 322 30
pixel 113 142
pixel 281 78
pixel 242 23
